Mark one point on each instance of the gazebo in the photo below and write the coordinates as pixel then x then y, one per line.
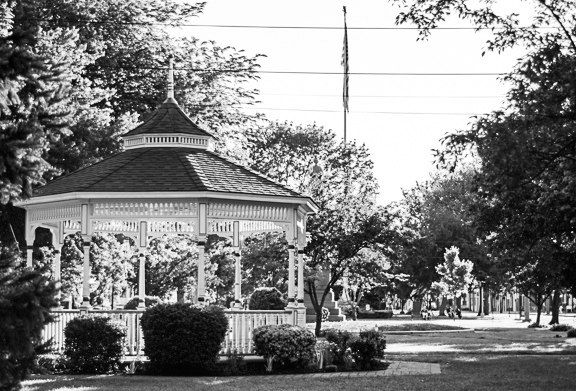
pixel 168 181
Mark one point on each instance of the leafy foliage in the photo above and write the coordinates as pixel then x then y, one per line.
pixel 93 345
pixel 26 297
pixel 288 346
pixel 367 348
pixel 266 299
pixel 149 301
pixel 455 274
pixel 181 338
pixel 341 338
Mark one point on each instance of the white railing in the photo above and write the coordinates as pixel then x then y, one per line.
pixel 241 323
pixel 133 342
pixel 238 338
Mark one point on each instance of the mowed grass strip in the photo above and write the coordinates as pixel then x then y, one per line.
pixel 485 372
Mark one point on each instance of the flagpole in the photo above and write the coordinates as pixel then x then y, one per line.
pixel 345 65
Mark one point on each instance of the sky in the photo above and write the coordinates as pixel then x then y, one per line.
pixel 387 113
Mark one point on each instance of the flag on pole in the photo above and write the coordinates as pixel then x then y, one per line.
pixel 345 97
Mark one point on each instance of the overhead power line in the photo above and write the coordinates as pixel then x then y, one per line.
pixel 286 72
pixel 392 96
pixel 363 112
pixel 283 27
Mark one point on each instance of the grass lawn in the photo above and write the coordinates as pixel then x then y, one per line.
pixel 484 341
pixel 485 372
pixel 418 327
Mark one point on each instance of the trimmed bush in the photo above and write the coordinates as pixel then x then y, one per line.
pixel 377 314
pixel 266 299
pixel 340 338
pixel 367 348
pixel 288 346
pixel 571 333
pixel 182 338
pixel 561 327
pixel 92 345
pixel 149 301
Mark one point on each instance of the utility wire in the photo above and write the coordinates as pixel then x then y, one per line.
pixel 285 27
pixel 283 72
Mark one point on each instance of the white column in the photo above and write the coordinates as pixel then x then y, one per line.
pixel 201 288
pixel 29 233
pixel 300 278
pixel 237 279
pixel 86 270
pixel 291 282
pixel 87 239
pixel 143 236
pixel 57 242
pixel 202 232
pixel 237 266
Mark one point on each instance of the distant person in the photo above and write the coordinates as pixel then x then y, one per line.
pixel 459 313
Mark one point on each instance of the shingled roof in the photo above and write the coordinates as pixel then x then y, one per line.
pixel 165 169
pixel 168 118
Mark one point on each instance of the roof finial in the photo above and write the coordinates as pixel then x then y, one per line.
pixel 170 78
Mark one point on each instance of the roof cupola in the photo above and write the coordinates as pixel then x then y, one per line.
pixel 168 126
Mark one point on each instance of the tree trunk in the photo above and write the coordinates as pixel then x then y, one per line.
pixel 443 304
pixel 480 299
pixel 459 303
pixel 180 295
pixel 486 302
pixel 318 310
pixel 555 307
pixel 416 306
pixel 539 312
pixel 402 304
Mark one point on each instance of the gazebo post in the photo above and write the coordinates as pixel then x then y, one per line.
pixel 291 238
pixel 238 265
pixel 57 243
pixel 143 239
pixel 29 237
pixel 86 232
pixel 301 235
pixel 202 232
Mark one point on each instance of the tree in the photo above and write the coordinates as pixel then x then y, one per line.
pixel 26 297
pixel 436 215
pixel 32 108
pixel 455 274
pixel 526 150
pixel 338 176
pixel 265 262
pixel 366 271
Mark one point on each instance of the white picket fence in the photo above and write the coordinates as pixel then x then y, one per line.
pixel 238 338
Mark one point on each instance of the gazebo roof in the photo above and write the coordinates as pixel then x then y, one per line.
pixel 168 119
pixel 165 169
pixel 167 156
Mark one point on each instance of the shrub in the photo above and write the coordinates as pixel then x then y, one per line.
pixel 561 327
pixel 571 333
pixel 149 301
pixel 367 348
pixel 340 338
pixel 182 338
pixel 325 352
pixel 92 345
pixel 287 345
pixel 266 299
pixel 25 300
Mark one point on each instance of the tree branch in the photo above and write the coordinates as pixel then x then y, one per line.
pixel 555 16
